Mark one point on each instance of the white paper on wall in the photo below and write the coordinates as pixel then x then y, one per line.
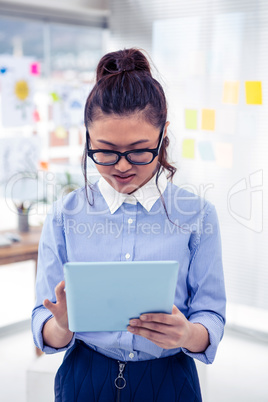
pixel 16 91
pixel 68 104
pixel 18 154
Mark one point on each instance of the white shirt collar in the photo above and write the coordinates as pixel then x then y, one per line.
pixel 146 195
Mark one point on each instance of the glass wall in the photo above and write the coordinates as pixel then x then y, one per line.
pixel 211 57
pixel 46 72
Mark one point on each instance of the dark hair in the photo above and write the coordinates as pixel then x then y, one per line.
pixel 125 86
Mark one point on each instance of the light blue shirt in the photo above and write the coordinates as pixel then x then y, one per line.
pixel 119 227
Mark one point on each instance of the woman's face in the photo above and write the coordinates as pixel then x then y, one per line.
pixel 122 134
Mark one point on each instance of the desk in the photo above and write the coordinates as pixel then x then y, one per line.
pixel 26 249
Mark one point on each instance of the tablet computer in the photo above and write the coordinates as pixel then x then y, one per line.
pixel 103 296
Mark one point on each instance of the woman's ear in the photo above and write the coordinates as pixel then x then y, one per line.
pixel 165 129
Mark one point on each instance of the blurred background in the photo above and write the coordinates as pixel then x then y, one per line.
pixel 211 56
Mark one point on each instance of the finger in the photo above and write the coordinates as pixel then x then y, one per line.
pixel 49 305
pixel 60 292
pixel 156 337
pixel 157 317
pixel 161 317
pixel 170 331
pixel 151 325
pixel 146 333
pixel 175 309
pixel 165 341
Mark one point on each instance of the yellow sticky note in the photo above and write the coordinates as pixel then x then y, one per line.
pixel 61 133
pixel 188 148
pixel 22 90
pixel 230 92
pixel 208 119
pixel 253 92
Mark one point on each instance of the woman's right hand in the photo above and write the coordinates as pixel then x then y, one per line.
pixel 59 309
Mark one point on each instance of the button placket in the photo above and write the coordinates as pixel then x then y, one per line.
pixel 128 234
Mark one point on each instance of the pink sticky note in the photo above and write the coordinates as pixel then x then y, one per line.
pixel 35 68
pixel 224 154
pixel 36 116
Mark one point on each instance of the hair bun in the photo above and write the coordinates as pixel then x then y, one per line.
pixel 125 64
pixel 121 61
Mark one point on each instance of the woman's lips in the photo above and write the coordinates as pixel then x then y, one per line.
pixel 124 179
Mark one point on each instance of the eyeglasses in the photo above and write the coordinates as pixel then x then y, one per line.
pixel 136 157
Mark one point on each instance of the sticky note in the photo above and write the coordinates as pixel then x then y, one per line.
pixel 230 92
pixel 76 105
pixel 191 119
pixel 253 92
pixel 61 133
pixel 36 116
pixel 22 90
pixel 224 154
pixel 206 151
pixel 188 146
pixel 35 68
pixel 208 119
pixel 44 165
pixel 55 96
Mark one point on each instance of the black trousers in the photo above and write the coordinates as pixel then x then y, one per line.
pixel 86 375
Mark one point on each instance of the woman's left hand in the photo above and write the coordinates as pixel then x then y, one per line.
pixel 171 331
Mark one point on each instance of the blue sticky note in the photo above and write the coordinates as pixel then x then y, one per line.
pixel 206 151
pixel 76 105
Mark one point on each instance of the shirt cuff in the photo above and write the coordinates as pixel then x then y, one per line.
pixel 40 316
pixel 214 325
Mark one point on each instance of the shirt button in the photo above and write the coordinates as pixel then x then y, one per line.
pixel 127 256
pixel 131 355
pixel 130 220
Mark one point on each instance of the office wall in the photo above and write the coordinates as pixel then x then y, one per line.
pixel 211 58
pixel 48 56
pixel 207 54
pixel 69 11
pixel 89 4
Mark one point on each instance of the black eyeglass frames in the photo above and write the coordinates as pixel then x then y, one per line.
pixel 136 157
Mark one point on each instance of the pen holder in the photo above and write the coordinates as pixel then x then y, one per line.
pixel 23 222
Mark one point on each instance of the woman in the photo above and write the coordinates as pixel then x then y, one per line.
pixel 126 137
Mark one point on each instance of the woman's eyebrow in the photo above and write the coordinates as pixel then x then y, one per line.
pixel 113 145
